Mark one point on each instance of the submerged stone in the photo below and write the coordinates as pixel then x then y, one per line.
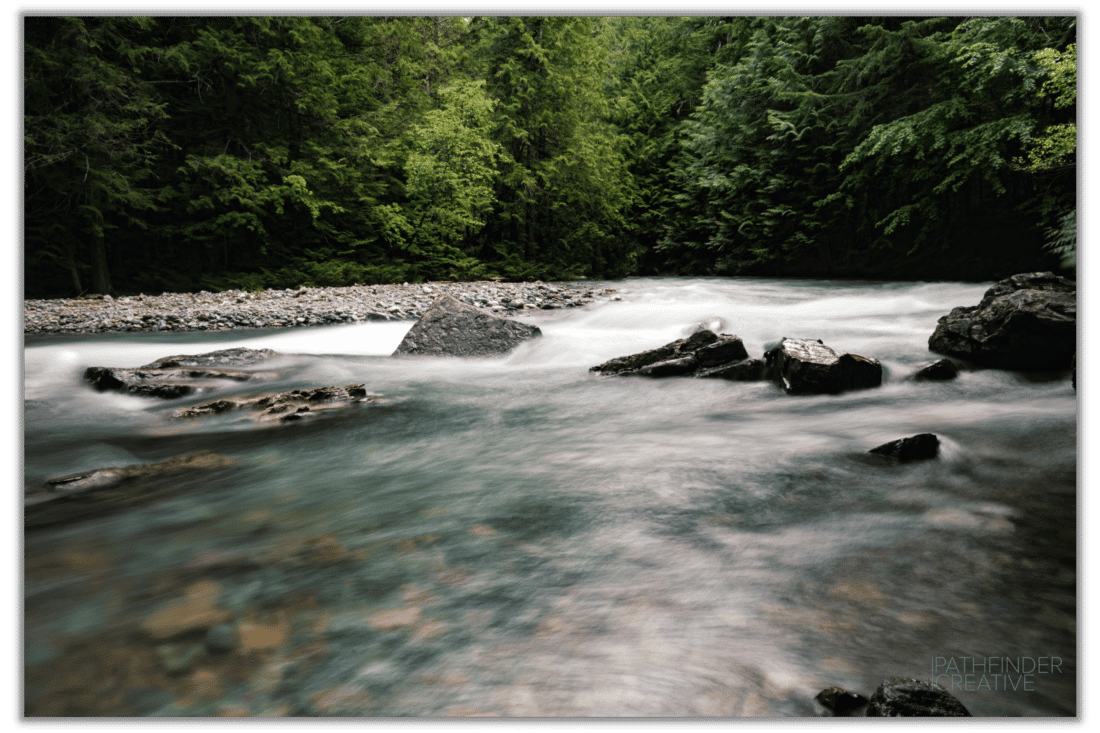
pixel 915 448
pixel 173 377
pixel 105 490
pixel 839 703
pixel 293 405
pixel 938 371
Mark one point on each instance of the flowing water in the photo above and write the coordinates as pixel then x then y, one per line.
pixel 517 536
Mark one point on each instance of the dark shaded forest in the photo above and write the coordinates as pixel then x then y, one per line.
pixel 205 153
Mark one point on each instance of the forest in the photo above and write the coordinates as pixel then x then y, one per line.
pixel 181 154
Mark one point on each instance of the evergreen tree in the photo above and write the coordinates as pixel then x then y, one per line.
pixel 89 142
pixel 564 184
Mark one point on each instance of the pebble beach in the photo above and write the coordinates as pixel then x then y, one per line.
pixel 299 307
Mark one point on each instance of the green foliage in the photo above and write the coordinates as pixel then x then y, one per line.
pixel 208 152
pixel 451 169
pixel 563 182
pixel 1062 239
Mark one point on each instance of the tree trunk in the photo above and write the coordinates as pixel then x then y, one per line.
pixel 101 276
pixel 77 287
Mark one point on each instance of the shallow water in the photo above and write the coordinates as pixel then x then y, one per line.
pixel 517 536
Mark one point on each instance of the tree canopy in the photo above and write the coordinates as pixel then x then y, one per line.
pixel 187 153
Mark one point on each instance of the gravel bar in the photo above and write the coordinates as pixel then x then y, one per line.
pixel 232 309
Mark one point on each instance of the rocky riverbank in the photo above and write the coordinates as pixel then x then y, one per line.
pixel 290 308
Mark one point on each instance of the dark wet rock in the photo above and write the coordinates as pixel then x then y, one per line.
pixel 105 490
pixel 702 354
pixel 805 366
pixel 238 357
pixel 746 370
pixel 453 328
pixel 671 367
pixel 632 363
pixel 839 703
pixel 938 371
pixel 293 405
pixel 1074 371
pixel 178 376
pixel 915 448
pixel 859 372
pixel 726 350
pixel 1027 321
pixel 899 697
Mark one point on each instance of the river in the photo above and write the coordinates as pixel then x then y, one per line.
pixel 517 536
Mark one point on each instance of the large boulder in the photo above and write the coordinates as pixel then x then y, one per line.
pixel 805 366
pixel 702 354
pixel 282 407
pixel 1027 321
pixel 452 328
pixel 104 490
pixel 898 697
pixel 179 376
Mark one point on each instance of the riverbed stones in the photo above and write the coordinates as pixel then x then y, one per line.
pixel 198 610
pixel 702 354
pixel 451 327
pixel 291 308
pixel 1027 321
pixel 915 448
pixel 173 377
pixel 806 366
pixel 290 406
pixel 899 697
pixel 938 371
pixel 105 490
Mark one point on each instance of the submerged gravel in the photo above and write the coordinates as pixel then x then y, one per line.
pixel 292 308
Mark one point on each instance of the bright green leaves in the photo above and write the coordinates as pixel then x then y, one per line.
pixel 563 182
pixel 1057 144
pixel 451 170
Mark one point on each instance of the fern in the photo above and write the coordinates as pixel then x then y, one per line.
pixel 1062 239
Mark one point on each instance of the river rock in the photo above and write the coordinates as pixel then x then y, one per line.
pixel 938 371
pixel 178 376
pixel 1027 321
pixel 198 610
pixel 746 370
pixel 898 697
pixel 702 354
pixel 915 448
pixel 104 490
pixel 840 703
pixel 670 367
pixel 452 328
pixel 290 406
pixel 804 366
